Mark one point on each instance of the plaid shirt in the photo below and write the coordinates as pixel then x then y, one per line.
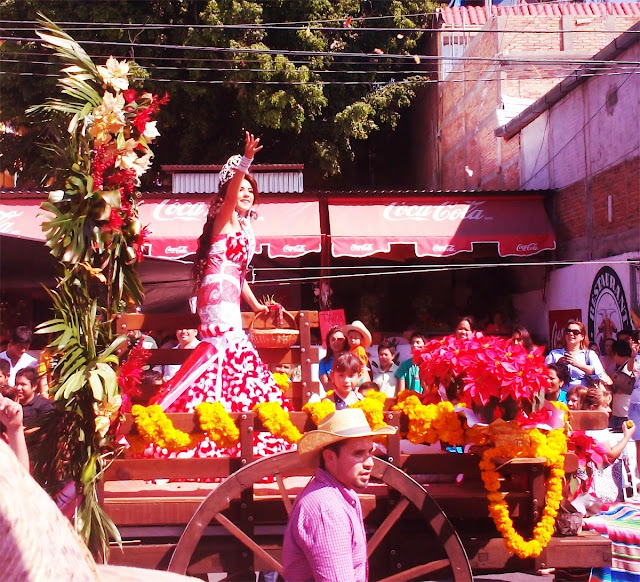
pixel 325 538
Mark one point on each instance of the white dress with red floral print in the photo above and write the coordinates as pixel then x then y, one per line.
pixel 224 367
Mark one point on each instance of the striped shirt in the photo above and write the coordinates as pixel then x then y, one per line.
pixel 325 538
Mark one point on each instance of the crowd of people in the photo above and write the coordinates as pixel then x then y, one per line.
pixel 325 534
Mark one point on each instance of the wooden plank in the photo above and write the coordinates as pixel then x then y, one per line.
pixel 173 321
pixel 584 550
pixel 126 322
pixel 588 419
pixel 146 469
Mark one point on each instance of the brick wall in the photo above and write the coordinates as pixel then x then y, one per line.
pixel 602 238
pixel 471 96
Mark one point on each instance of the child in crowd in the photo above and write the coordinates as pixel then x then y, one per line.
pixel 368 386
pixel 575 396
pixel 384 373
pixel 336 343
pixel 345 375
pixel 34 406
pixel 408 373
pixel 559 378
pixel 359 338
pixel 607 483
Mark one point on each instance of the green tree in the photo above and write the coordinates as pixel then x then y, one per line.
pixel 317 89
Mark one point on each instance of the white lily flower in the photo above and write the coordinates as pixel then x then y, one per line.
pixel 115 74
pixel 150 131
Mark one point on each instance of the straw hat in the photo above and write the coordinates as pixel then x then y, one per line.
pixel 357 325
pixel 343 424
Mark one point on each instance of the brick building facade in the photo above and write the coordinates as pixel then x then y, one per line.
pixel 458 116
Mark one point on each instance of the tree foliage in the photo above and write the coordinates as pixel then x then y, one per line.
pixel 306 104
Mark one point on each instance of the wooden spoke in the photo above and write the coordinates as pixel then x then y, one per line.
pixel 234 486
pixel 418 571
pixel 284 494
pixel 386 525
pixel 234 530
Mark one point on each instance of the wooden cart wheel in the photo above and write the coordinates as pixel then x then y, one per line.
pixel 287 464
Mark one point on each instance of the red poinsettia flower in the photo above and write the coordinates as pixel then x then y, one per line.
pixel 130 95
pixel 586 448
pixel 115 220
pixel 139 242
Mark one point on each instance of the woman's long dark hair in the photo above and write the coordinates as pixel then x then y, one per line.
pixel 204 242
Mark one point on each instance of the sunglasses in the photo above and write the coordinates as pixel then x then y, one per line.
pixel 573 332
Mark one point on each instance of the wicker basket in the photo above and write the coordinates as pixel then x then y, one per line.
pixel 263 332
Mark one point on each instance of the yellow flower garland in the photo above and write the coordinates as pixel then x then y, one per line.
pixel 155 427
pixel 277 421
pixel 217 424
pixel 427 424
pixel 318 410
pixel 553 447
pixel 282 380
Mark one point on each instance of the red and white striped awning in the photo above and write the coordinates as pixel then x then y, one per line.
pixel 439 227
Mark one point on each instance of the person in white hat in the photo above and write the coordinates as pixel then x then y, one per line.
pixel 325 537
pixel 359 338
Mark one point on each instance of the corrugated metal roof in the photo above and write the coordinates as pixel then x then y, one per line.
pixel 268 182
pixel 271 178
pixel 466 16
pixel 217 167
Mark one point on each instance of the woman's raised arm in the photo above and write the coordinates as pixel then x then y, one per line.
pixel 225 220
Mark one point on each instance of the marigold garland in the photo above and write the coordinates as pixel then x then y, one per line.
pixel 155 427
pixel 318 410
pixel 277 421
pixel 282 380
pixel 553 447
pixel 217 424
pixel 427 424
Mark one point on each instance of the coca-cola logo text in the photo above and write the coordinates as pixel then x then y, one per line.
pixel 294 248
pixel 527 248
pixel 444 249
pixel 453 211
pixel 168 210
pixel 362 247
pixel 179 250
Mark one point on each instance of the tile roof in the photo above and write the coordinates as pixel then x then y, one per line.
pixel 460 16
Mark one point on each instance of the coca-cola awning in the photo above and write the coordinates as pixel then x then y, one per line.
pixel 285 229
pixel 439 227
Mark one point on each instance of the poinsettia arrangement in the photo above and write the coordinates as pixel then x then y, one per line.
pixel 482 370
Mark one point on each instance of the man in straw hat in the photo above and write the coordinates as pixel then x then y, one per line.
pixel 325 537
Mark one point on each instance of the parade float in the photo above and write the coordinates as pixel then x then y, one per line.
pixel 228 514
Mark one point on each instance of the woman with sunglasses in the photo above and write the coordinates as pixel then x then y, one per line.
pixel 582 362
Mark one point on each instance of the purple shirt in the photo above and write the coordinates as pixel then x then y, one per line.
pixel 325 538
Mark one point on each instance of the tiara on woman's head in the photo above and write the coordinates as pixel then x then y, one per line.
pixel 229 169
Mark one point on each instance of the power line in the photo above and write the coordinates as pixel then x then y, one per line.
pixel 564 69
pixel 247 50
pixel 410 81
pixel 102 27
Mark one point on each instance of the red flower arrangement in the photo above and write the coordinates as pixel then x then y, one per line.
pixel 130 375
pixel 483 371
